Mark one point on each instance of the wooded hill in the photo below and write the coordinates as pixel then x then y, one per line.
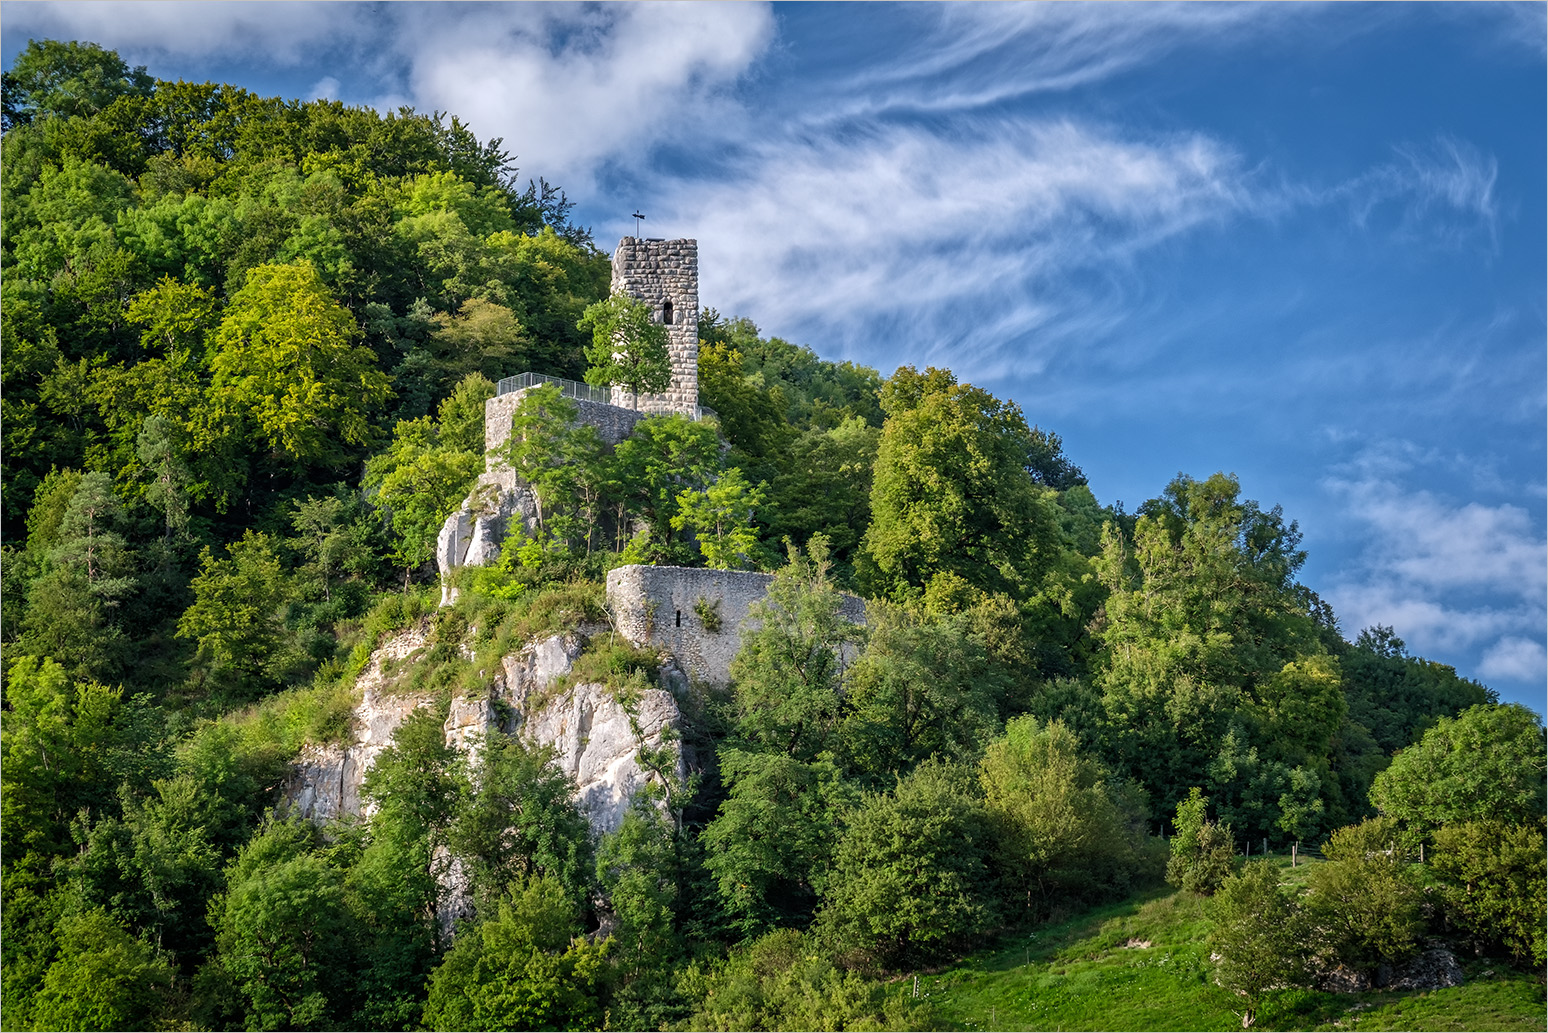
pixel 246 347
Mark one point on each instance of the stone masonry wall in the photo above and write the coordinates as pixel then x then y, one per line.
pixel 612 423
pixel 656 272
pixel 655 605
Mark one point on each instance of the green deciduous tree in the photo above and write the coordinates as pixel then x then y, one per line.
pixel 951 493
pixel 788 677
pixel 287 366
pixel 920 687
pixel 1487 764
pixel 281 927
pixel 524 967
pixel 56 741
pixel 417 484
pixel 238 612
pixel 664 457
pixel 628 347
pixel 720 518
pixel 913 876
pixel 50 78
pixel 1205 629
pixel 103 978
pixel 482 337
pixel 1064 826
pixel 770 846
pixel 516 819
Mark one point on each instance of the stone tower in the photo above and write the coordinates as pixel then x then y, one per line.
pixel 665 275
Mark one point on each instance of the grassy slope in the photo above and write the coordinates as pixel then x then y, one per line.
pixel 1081 974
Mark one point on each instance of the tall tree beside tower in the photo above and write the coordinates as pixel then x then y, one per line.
pixel 628 347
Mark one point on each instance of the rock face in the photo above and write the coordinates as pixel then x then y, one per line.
pixel 597 737
pixel 598 740
pixel 471 537
pixel 1432 969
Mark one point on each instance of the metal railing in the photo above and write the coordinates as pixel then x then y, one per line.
pixel 587 393
pixel 567 388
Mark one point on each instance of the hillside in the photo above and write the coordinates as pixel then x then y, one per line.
pixel 813 680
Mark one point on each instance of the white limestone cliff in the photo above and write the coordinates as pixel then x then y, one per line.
pixel 595 741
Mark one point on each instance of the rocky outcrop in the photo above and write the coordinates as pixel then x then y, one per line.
pixel 1431 969
pixel 596 735
pixel 472 536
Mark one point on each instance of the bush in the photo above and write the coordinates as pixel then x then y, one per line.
pixel 525 968
pixel 1064 824
pixel 785 981
pixel 911 878
pixel 1363 905
pixel 1203 852
pixel 1255 934
pixel 1493 879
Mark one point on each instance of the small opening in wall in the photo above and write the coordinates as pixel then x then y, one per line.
pixel 679 618
pixel 666 313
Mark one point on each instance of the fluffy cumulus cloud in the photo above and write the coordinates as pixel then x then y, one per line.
pixel 573 87
pixel 1457 578
pixel 282 31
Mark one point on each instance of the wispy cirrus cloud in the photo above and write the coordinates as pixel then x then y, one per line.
pixel 920 226
pixel 968 56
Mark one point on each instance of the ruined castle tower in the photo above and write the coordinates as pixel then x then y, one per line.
pixel 665 275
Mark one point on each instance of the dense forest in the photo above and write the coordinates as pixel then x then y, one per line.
pixel 246 348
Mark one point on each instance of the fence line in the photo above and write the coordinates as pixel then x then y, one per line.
pixel 586 393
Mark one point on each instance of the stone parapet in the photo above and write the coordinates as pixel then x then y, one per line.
pixel 612 422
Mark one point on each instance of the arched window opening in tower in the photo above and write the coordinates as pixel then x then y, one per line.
pixel 666 313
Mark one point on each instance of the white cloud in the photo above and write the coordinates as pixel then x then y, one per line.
pixel 282 31
pixel 991 52
pixel 1449 577
pixel 1518 659
pixel 571 87
pixel 913 226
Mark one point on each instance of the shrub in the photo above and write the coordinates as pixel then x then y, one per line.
pixel 1363 905
pixel 1255 934
pixel 912 878
pixel 1203 852
pixel 1493 879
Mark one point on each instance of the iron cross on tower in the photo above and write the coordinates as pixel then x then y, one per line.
pixel 637 217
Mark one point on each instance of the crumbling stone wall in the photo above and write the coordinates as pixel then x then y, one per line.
pixel 661 606
pixel 665 275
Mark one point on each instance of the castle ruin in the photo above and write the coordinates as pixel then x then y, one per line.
pixel 665 275
pixel 661 606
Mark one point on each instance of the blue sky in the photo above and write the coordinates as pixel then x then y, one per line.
pixel 1301 243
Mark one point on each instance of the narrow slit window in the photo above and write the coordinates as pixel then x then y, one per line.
pixel 679 618
pixel 666 313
